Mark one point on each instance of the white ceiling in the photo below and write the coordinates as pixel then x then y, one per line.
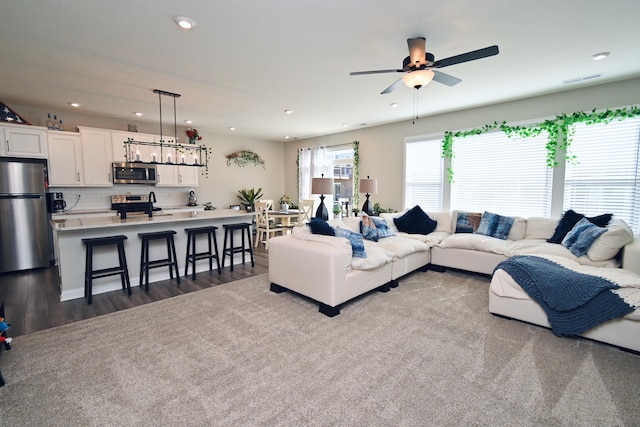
pixel 246 62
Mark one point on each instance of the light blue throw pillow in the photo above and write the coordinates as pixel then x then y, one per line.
pixel 357 242
pixel 383 228
pixel 582 236
pixel 368 228
pixel 495 225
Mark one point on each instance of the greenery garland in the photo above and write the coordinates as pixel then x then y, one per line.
pixel 560 132
pixel 243 158
pixel 356 173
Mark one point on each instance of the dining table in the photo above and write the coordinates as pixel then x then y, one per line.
pixel 284 216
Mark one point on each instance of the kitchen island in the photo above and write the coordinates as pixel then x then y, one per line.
pixel 70 251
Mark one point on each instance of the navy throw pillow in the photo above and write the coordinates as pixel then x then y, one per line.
pixel 415 221
pixel 570 218
pixel 320 226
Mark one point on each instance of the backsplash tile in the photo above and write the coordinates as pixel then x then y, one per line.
pixel 99 198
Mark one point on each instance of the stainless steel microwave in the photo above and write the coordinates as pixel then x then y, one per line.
pixel 134 173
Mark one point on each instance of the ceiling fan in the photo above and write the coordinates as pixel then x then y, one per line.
pixel 420 66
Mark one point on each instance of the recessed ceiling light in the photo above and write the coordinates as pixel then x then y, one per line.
pixel 184 22
pixel 600 56
pixel 188 121
pixel 287 137
pixel 345 125
pixel 394 104
pixel 231 128
pixel 288 111
pixel 138 114
pixel 74 104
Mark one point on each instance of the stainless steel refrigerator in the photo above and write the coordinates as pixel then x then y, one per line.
pixel 24 232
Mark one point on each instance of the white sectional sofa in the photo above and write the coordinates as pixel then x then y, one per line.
pixel 322 267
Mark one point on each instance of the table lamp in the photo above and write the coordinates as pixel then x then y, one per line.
pixel 368 186
pixel 322 186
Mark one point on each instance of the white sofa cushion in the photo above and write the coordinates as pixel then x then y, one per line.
pixel 542 247
pixel 518 228
pixel 401 246
pixel 430 239
pixel 376 257
pixel 477 242
pixel 609 244
pixel 540 228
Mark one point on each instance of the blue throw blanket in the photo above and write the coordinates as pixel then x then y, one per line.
pixel 574 302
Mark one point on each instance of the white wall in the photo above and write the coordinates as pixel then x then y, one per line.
pixel 382 147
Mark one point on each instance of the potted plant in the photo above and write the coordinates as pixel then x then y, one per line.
pixel 285 203
pixel 337 211
pixel 249 196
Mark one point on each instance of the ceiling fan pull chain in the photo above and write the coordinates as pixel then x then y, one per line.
pixel 415 105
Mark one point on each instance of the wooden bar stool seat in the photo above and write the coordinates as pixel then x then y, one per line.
pixel 229 230
pixel 193 256
pixel 171 260
pixel 121 268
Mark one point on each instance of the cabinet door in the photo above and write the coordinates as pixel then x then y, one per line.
pixel 145 151
pixel 25 142
pixel 167 176
pixel 188 176
pixel 97 156
pixel 65 159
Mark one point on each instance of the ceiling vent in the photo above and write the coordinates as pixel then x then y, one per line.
pixel 582 79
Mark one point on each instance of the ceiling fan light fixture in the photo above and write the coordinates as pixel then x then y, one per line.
pixel 417 79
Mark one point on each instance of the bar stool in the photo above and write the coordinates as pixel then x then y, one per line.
pixel 171 260
pixel 121 269
pixel 231 249
pixel 193 256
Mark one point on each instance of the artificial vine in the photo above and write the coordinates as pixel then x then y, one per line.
pixel 560 131
pixel 243 158
pixel 356 173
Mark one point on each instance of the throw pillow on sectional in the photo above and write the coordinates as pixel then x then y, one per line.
pixel 570 218
pixel 468 222
pixel 320 226
pixel 495 225
pixel 356 240
pixel 415 221
pixel 580 238
pixel 368 228
pixel 383 228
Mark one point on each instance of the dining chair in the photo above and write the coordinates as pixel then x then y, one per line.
pixel 265 229
pixel 305 209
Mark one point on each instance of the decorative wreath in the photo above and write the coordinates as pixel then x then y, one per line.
pixel 243 158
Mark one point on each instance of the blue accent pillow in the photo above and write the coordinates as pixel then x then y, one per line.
pixel 495 225
pixel 415 221
pixel 320 226
pixel 582 236
pixel 468 222
pixel 383 228
pixel 368 228
pixel 570 218
pixel 357 242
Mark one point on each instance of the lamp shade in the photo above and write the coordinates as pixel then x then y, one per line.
pixel 369 185
pixel 322 185
pixel 417 79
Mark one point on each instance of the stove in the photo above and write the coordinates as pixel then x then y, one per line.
pixel 130 202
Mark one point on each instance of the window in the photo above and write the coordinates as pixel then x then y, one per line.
pixel 606 177
pixel 341 160
pixel 508 176
pixel 424 174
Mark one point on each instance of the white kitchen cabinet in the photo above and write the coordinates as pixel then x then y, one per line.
pixel 188 176
pixel 97 157
pixel 118 138
pixel 23 141
pixel 65 159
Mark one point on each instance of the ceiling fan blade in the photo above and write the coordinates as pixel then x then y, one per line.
pixel 465 57
pixel 359 73
pixel 445 79
pixel 392 87
pixel 417 48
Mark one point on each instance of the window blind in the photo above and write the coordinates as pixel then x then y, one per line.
pixel 507 176
pixel 424 174
pixel 605 178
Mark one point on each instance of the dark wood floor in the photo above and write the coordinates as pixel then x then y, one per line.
pixel 32 298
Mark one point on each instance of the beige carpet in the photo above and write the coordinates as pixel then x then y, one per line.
pixel 426 353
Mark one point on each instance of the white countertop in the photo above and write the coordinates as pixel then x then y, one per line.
pixel 93 222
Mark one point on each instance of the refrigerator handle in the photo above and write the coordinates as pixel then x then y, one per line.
pixel 78 176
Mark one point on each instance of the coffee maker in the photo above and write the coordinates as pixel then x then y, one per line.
pixel 55 202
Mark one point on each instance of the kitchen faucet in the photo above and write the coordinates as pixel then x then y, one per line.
pixel 152 200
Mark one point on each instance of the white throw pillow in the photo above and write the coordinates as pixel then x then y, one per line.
pixel 609 244
pixel 518 228
pixel 540 228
